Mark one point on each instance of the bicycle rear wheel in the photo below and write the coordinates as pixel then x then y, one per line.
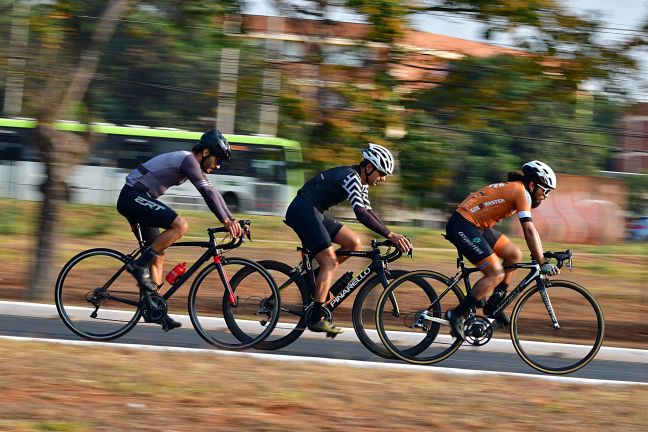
pixel 563 350
pixel 243 324
pixel 95 297
pixel 415 331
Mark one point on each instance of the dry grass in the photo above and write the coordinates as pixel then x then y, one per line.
pixel 63 388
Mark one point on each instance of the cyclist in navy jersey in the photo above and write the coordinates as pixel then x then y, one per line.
pixel 138 203
pixel 306 216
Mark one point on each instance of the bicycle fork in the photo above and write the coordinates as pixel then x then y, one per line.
pixel 225 279
pixel 547 302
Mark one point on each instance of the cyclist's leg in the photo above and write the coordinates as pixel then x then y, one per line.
pixel 470 241
pixel 493 275
pixel 328 264
pixel 505 249
pixel 148 212
pixel 348 241
pixel 308 224
pixel 511 254
pixel 149 234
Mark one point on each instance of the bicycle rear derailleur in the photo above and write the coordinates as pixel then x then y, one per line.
pixel 478 330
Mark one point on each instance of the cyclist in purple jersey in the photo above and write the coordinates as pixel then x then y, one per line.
pixel 138 203
pixel 306 216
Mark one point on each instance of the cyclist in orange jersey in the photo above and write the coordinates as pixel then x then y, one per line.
pixel 470 229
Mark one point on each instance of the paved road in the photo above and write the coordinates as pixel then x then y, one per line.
pixel 53 328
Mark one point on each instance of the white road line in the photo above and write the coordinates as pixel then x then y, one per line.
pixel 501 345
pixel 327 361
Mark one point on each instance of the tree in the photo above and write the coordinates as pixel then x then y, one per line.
pixel 61 151
pixel 517 117
pixel 70 49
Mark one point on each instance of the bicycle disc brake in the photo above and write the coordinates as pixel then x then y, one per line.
pixel 416 320
pixel 478 330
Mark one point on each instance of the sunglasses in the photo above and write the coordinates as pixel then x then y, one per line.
pixel 545 190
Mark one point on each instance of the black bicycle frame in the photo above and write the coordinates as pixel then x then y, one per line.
pixel 377 265
pixel 213 250
pixel 534 273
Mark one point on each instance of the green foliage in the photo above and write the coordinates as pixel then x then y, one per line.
pixel 160 68
pixel 509 111
pixel 638 195
pixel 89 221
pixel 386 17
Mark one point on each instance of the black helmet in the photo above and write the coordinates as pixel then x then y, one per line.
pixel 216 143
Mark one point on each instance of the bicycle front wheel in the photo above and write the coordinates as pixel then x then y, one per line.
pixel 409 317
pixel 364 314
pixel 575 341
pixel 95 297
pixel 237 322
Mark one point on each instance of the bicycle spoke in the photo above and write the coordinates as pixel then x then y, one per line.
pixel 95 298
pixel 418 334
pixel 563 348
pixel 239 324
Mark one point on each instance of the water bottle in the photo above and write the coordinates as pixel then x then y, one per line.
pixel 341 283
pixel 176 272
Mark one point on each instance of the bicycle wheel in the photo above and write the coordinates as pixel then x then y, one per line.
pixel 413 328
pixel 563 350
pixel 243 324
pixel 295 296
pixel 364 314
pixel 95 297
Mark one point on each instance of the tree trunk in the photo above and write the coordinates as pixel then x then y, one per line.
pixel 61 151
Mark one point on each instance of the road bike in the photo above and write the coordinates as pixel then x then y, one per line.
pixel 297 285
pixel 99 300
pixel 557 326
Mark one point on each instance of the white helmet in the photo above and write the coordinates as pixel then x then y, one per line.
pixel 540 173
pixel 380 158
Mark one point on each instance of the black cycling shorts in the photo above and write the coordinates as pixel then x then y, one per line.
pixel 474 243
pixel 151 214
pixel 315 229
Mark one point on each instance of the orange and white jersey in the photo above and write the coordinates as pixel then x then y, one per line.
pixel 495 202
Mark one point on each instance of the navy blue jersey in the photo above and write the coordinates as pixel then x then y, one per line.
pixel 334 185
pixel 331 187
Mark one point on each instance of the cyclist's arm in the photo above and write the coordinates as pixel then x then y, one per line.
pixel 369 219
pixel 522 200
pixel 212 197
pixel 533 241
pixel 359 199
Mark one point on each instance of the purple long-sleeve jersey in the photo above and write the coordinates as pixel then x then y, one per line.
pixel 158 174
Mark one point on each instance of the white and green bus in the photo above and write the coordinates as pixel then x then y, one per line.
pixel 262 176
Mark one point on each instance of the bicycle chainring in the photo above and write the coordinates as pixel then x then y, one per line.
pixel 478 330
pixel 153 307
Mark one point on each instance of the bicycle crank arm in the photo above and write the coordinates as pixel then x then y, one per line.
pixel 436 320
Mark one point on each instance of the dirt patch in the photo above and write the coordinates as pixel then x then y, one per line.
pixel 48 387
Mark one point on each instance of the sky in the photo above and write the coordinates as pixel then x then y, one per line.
pixel 619 16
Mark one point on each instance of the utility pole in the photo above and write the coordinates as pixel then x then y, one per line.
pixel 269 116
pixel 228 81
pixel 17 59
